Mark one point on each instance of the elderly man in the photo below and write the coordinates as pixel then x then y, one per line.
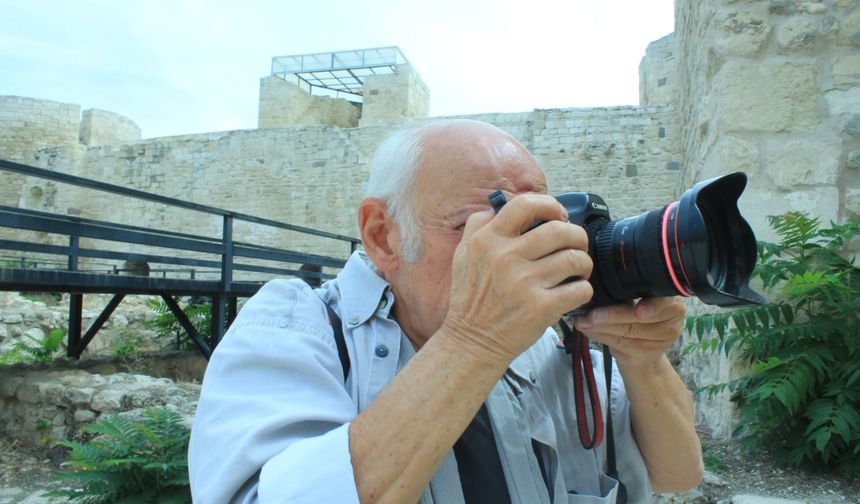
pixel 456 390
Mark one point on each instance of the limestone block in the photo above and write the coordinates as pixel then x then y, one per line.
pixel 853 159
pixel 802 162
pixel 846 69
pixel 813 8
pixel 84 416
pixel 79 396
pixel 782 7
pixel 849 30
pixel 730 154
pixel 743 33
pixel 761 201
pixel 852 202
pixel 797 34
pixel 110 401
pixel 852 127
pixel 767 97
pixel 843 102
pixel 9 385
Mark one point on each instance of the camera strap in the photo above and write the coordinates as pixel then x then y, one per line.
pixel 576 344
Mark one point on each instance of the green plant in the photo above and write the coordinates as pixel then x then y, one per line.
pixel 44 427
pixel 130 462
pixel 167 327
pixel 800 399
pixel 127 345
pixel 713 462
pixel 40 351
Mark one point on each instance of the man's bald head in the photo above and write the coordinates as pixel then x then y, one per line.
pixel 449 143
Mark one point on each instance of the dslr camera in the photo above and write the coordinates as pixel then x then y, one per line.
pixel 699 246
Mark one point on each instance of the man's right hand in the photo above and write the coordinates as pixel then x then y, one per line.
pixel 506 284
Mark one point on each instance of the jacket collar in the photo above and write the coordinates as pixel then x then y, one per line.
pixel 363 291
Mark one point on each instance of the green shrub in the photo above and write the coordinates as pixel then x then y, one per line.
pixel 800 399
pixel 167 327
pixel 42 351
pixel 130 462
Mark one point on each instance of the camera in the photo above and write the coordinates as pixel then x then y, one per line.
pixel 699 246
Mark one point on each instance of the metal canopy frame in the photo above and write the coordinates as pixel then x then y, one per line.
pixel 338 72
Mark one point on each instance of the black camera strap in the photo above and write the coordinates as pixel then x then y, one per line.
pixel 576 344
pixel 337 327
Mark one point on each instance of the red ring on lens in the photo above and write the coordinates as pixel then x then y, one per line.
pixel 664 234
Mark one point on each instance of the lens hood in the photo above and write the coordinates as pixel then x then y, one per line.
pixel 712 245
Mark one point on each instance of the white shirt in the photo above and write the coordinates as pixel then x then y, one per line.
pixel 272 424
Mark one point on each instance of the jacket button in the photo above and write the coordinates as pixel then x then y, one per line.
pixel 381 351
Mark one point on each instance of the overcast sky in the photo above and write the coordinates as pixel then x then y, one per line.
pixel 190 66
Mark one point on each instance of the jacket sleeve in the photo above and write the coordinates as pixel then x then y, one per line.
pixel 273 419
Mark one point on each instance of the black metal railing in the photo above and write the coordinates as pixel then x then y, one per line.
pixel 212 257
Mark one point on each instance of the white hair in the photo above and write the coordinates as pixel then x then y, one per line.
pixel 392 175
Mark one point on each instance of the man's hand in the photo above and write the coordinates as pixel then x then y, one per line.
pixel 662 412
pixel 506 284
pixel 637 333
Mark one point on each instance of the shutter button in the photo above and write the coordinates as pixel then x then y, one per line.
pixel 381 351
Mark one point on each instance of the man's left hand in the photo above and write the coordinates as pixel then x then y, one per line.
pixel 637 333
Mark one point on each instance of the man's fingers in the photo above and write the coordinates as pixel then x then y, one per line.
pixel 561 265
pixel 519 213
pixel 553 236
pixel 660 308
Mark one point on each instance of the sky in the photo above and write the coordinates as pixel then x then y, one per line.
pixel 190 66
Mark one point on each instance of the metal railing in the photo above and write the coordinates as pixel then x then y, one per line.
pixel 217 257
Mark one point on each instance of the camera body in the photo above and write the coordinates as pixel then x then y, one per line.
pixel 699 246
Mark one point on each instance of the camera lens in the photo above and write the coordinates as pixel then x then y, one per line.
pixel 699 246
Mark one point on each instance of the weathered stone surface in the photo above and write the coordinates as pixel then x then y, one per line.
pixel 806 162
pixel 849 30
pixel 846 69
pixel 111 401
pixel 813 8
pixel 732 153
pixel 757 499
pixel 844 4
pixel 745 33
pixel 79 396
pixel 852 202
pixel 757 203
pixel 852 126
pixel 797 34
pixel 770 97
pixel 83 416
pixel 853 159
pixel 843 102
pixel 782 7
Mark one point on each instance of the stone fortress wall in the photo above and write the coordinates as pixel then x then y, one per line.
pixel 769 87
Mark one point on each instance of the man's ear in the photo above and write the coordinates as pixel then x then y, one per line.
pixel 379 235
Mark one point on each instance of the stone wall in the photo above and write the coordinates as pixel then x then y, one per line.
pixel 394 98
pixel 658 74
pixel 27 124
pixel 100 127
pixel 772 89
pixel 284 104
pixel 37 407
pixel 314 175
